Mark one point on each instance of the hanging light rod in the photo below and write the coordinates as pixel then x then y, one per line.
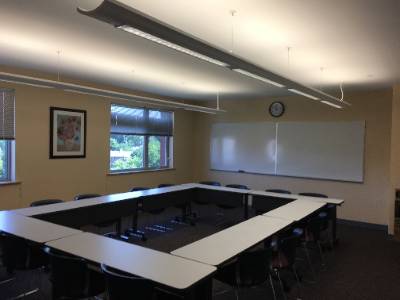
pixel 87 90
pixel 135 22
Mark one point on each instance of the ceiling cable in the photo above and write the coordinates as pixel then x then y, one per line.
pixel 232 12
pixel 58 64
pixel 341 90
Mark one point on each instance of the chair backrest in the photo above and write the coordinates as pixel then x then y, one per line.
pixel 288 246
pixel 139 188
pixel 253 267
pixel 317 195
pixel 17 254
pixel 121 285
pixel 237 186
pixel 69 274
pixel 214 183
pixel 278 191
pixel 161 185
pixel 45 202
pixel 315 225
pixel 86 196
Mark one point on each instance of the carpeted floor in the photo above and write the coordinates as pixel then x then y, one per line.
pixel 364 265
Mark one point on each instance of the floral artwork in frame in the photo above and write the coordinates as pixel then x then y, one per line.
pixel 67 133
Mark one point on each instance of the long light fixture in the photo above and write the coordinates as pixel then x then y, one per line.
pixel 171 45
pixel 87 90
pixel 331 104
pixel 258 77
pixel 135 22
pixel 303 94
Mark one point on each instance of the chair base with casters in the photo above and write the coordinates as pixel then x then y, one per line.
pixel 71 277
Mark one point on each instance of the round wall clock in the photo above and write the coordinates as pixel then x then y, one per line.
pixel 276 109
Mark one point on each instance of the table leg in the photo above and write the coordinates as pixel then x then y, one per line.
pixel 334 225
pixel 246 206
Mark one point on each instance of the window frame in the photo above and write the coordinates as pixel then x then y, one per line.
pixel 8 162
pixel 168 146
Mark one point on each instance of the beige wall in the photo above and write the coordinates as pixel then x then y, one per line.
pixel 395 147
pixel 42 177
pixel 367 202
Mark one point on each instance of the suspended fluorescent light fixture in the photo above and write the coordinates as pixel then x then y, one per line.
pixel 244 72
pixel 171 45
pixel 87 90
pixel 131 20
pixel 303 94
pixel 331 104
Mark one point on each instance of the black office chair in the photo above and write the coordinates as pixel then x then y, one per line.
pixel 134 231
pixel 252 268
pixel 204 201
pixel 121 285
pixel 312 235
pixel 235 186
pixel 278 191
pixel 86 196
pixel 102 225
pixel 45 202
pixel 285 258
pixel 19 255
pixel 162 185
pixel 72 278
pixel 213 183
pixel 330 210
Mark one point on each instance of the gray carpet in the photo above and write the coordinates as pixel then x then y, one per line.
pixel 364 265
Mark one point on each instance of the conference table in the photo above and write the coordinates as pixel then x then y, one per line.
pixel 57 226
pixel 190 279
pixel 224 245
pixel 31 229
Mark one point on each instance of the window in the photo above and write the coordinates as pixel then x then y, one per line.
pixel 7 133
pixel 140 139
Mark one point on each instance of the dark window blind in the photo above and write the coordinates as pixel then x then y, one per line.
pixel 7 114
pixel 141 121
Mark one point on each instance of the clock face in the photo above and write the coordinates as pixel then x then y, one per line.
pixel 276 109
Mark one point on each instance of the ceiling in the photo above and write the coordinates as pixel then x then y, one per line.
pixel 354 42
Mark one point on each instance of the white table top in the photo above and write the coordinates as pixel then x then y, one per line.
pixel 226 244
pixel 221 188
pixel 39 210
pixel 157 266
pixel 33 211
pixel 32 229
pixel 296 197
pixel 296 210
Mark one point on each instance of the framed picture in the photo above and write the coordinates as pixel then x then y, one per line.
pixel 67 133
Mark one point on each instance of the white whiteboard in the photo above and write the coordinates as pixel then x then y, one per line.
pixel 325 150
pixel 244 146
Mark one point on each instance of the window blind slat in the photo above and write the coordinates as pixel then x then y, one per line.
pixel 7 114
pixel 140 121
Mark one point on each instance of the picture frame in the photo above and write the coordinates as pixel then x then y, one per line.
pixel 67 133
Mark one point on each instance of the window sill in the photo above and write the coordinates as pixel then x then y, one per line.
pixel 139 171
pixel 9 182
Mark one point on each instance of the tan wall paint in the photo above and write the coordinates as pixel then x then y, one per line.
pixel 367 202
pixel 42 177
pixel 395 149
